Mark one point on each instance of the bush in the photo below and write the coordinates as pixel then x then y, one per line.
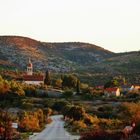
pixel 100 134
pixel 59 105
pixel 95 135
pixel 105 111
pixel 89 120
pixel 68 94
pixel 49 102
pixel 27 106
pixel 32 121
pixel 105 108
pixel 79 125
pixel 6 130
pixel 137 128
pixel 129 112
pixel 49 120
pixel 110 124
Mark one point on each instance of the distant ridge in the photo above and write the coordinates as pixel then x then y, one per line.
pixel 16 39
pixel 68 52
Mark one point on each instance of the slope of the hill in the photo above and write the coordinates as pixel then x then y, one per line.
pixel 92 63
pixel 125 64
pixel 16 50
pixel 121 63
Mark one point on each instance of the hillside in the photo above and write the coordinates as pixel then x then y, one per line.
pixel 91 62
pixel 55 56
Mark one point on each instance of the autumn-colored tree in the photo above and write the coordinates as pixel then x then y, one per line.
pixel 40 116
pixel 33 120
pixel 28 121
pixel 58 83
pixel 47 112
pixel 4 86
pixel 130 112
pixel 16 88
pixel 5 125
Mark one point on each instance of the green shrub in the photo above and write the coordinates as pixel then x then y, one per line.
pixel 68 94
pixel 27 106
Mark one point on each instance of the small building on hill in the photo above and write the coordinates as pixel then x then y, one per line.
pixel 30 77
pixel 114 91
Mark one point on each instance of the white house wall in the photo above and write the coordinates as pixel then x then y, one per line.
pixel 118 93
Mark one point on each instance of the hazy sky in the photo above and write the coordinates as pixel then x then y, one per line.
pixel 112 24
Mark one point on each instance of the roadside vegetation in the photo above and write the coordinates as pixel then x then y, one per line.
pixel 87 112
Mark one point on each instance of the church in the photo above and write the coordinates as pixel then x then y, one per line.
pixel 30 77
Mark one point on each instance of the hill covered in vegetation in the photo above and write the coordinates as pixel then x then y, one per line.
pixel 84 59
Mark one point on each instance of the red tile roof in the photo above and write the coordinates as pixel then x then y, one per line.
pixel 33 78
pixel 29 65
pixel 111 89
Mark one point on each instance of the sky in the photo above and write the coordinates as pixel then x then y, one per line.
pixel 111 24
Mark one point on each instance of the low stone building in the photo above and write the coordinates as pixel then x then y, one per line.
pixel 112 92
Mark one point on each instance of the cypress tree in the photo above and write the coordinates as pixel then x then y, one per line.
pixel 47 80
pixel 78 86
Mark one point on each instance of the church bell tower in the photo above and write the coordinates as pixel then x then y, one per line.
pixel 29 68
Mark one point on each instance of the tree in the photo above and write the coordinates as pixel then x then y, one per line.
pixel 47 112
pixel 58 83
pixel 69 81
pixel 66 111
pixel 74 112
pixel 47 80
pixel 30 121
pixel 4 86
pixel 16 88
pixel 5 125
pixel 115 81
pixel 40 115
pixel 68 94
pixel 59 105
pixel 77 112
pixel 78 87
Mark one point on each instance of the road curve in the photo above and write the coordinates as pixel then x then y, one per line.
pixel 53 131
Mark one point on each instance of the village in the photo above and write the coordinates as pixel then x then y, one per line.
pixel 37 79
pixel 31 98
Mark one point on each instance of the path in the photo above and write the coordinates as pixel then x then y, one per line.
pixel 54 131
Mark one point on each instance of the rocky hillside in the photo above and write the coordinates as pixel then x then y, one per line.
pixel 15 52
pixel 120 63
pixel 91 62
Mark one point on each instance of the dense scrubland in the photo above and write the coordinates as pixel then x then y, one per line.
pixel 93 64
pixel 86 110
